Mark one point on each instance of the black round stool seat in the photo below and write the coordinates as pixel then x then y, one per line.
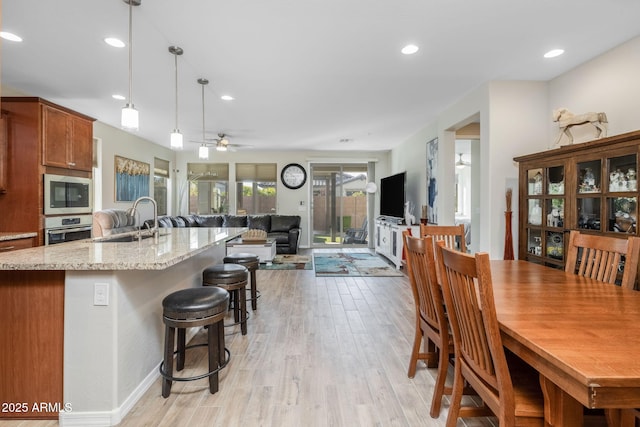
pixel 194 307
pixel 195 303
pixel 224 273
pixel 252 262
pixel 232 278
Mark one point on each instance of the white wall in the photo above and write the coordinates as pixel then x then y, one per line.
pixel 516 119
pixel 609 83
pixel 118 142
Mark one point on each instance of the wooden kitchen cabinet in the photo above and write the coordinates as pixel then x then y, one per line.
pixel 42 138
pixel 16 244
pixel 67 140
pixel 591 187
pixel 4 153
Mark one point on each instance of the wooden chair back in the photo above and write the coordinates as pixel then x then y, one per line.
pixel 453 235
pixel 480 358
pixel 431 327
pixel 421 270
pixel 600 257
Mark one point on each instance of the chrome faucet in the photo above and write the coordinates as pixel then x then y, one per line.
pixel 155 229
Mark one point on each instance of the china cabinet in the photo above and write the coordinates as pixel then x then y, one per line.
pixel 590 187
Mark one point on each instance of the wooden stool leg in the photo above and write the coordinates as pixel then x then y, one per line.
pixel 181 347
pixel 221 354
pixel 243 310
pixel 236 305
pixel 254 291
pixel 169 336
pixel 214 354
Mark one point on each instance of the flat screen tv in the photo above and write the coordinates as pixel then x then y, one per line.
pixel 392 195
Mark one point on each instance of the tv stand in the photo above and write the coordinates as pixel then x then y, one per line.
pixel 389 238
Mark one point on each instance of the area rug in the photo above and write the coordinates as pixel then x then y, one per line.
pixel 336 264
pixel 288 262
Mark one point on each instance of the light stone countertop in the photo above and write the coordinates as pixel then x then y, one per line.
pixel 174 245
pixel 15 235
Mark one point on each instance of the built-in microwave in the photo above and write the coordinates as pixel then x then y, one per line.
pixel 67 195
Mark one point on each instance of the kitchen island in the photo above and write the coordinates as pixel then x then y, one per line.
pixel 82 333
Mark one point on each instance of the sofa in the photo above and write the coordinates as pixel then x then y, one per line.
pixel 112 221
pixel 284 229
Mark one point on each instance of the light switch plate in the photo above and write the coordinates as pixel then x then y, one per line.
pixel 100 294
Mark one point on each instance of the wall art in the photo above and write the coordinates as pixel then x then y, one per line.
pixel 432 183
pixel 132 179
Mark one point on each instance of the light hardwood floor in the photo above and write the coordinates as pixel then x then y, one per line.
pixel 319 352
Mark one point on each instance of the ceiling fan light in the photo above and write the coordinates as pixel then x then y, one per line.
pixel 203 152
pixel 129 119
pixel 176 139
pixel 221 147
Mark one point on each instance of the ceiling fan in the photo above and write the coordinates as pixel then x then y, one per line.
pixel 222 143
pixel 461 163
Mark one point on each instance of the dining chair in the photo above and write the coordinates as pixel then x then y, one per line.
pixel 453 235
pixel 432 328
pixel 600 257
pixel 509 388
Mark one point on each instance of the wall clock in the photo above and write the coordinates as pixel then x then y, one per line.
pixel 293 176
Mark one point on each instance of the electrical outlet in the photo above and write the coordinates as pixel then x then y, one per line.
pixel 100 294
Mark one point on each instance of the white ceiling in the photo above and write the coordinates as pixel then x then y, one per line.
pixel 306 74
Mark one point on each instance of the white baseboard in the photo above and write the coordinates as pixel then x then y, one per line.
pixel 114 417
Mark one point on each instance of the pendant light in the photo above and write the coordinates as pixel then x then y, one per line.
pixel 176 136
pixel 129 119
pixel 203 152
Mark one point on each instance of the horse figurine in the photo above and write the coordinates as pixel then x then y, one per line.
pixel 566 120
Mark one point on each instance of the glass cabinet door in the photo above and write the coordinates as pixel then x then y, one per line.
pixel 535 182
pixel 622 214
pixel 545 213
pixel 622 173
pixel 589 179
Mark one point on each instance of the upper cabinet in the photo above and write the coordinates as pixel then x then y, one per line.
pixel 590 187
pixel 67 139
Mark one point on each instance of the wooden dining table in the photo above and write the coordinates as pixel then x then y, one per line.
pixel 581 335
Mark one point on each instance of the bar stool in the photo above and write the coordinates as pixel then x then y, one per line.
pixel 232 278
pixel 190 308
pixel 251 261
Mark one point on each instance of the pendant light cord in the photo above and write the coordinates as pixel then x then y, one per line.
pixel 203 141
pixel 175 56
pixel 130 52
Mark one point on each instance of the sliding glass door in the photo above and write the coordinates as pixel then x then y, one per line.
pixel 339 204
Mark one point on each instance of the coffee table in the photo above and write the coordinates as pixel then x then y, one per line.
pixel 265 250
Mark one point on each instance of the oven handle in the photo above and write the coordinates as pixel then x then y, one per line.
pixel 68 230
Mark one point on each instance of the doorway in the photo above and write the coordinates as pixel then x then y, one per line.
pixel 339 213
pixel 467 179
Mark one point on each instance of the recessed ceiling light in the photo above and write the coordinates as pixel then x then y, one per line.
pixel 410 49
pixel 227 97
pixel 118 97
pixel 10 36
pixel 112 41
pixel 553 53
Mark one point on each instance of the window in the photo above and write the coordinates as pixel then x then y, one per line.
pixel 208 188
pixel 256 188
pixel 160 180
